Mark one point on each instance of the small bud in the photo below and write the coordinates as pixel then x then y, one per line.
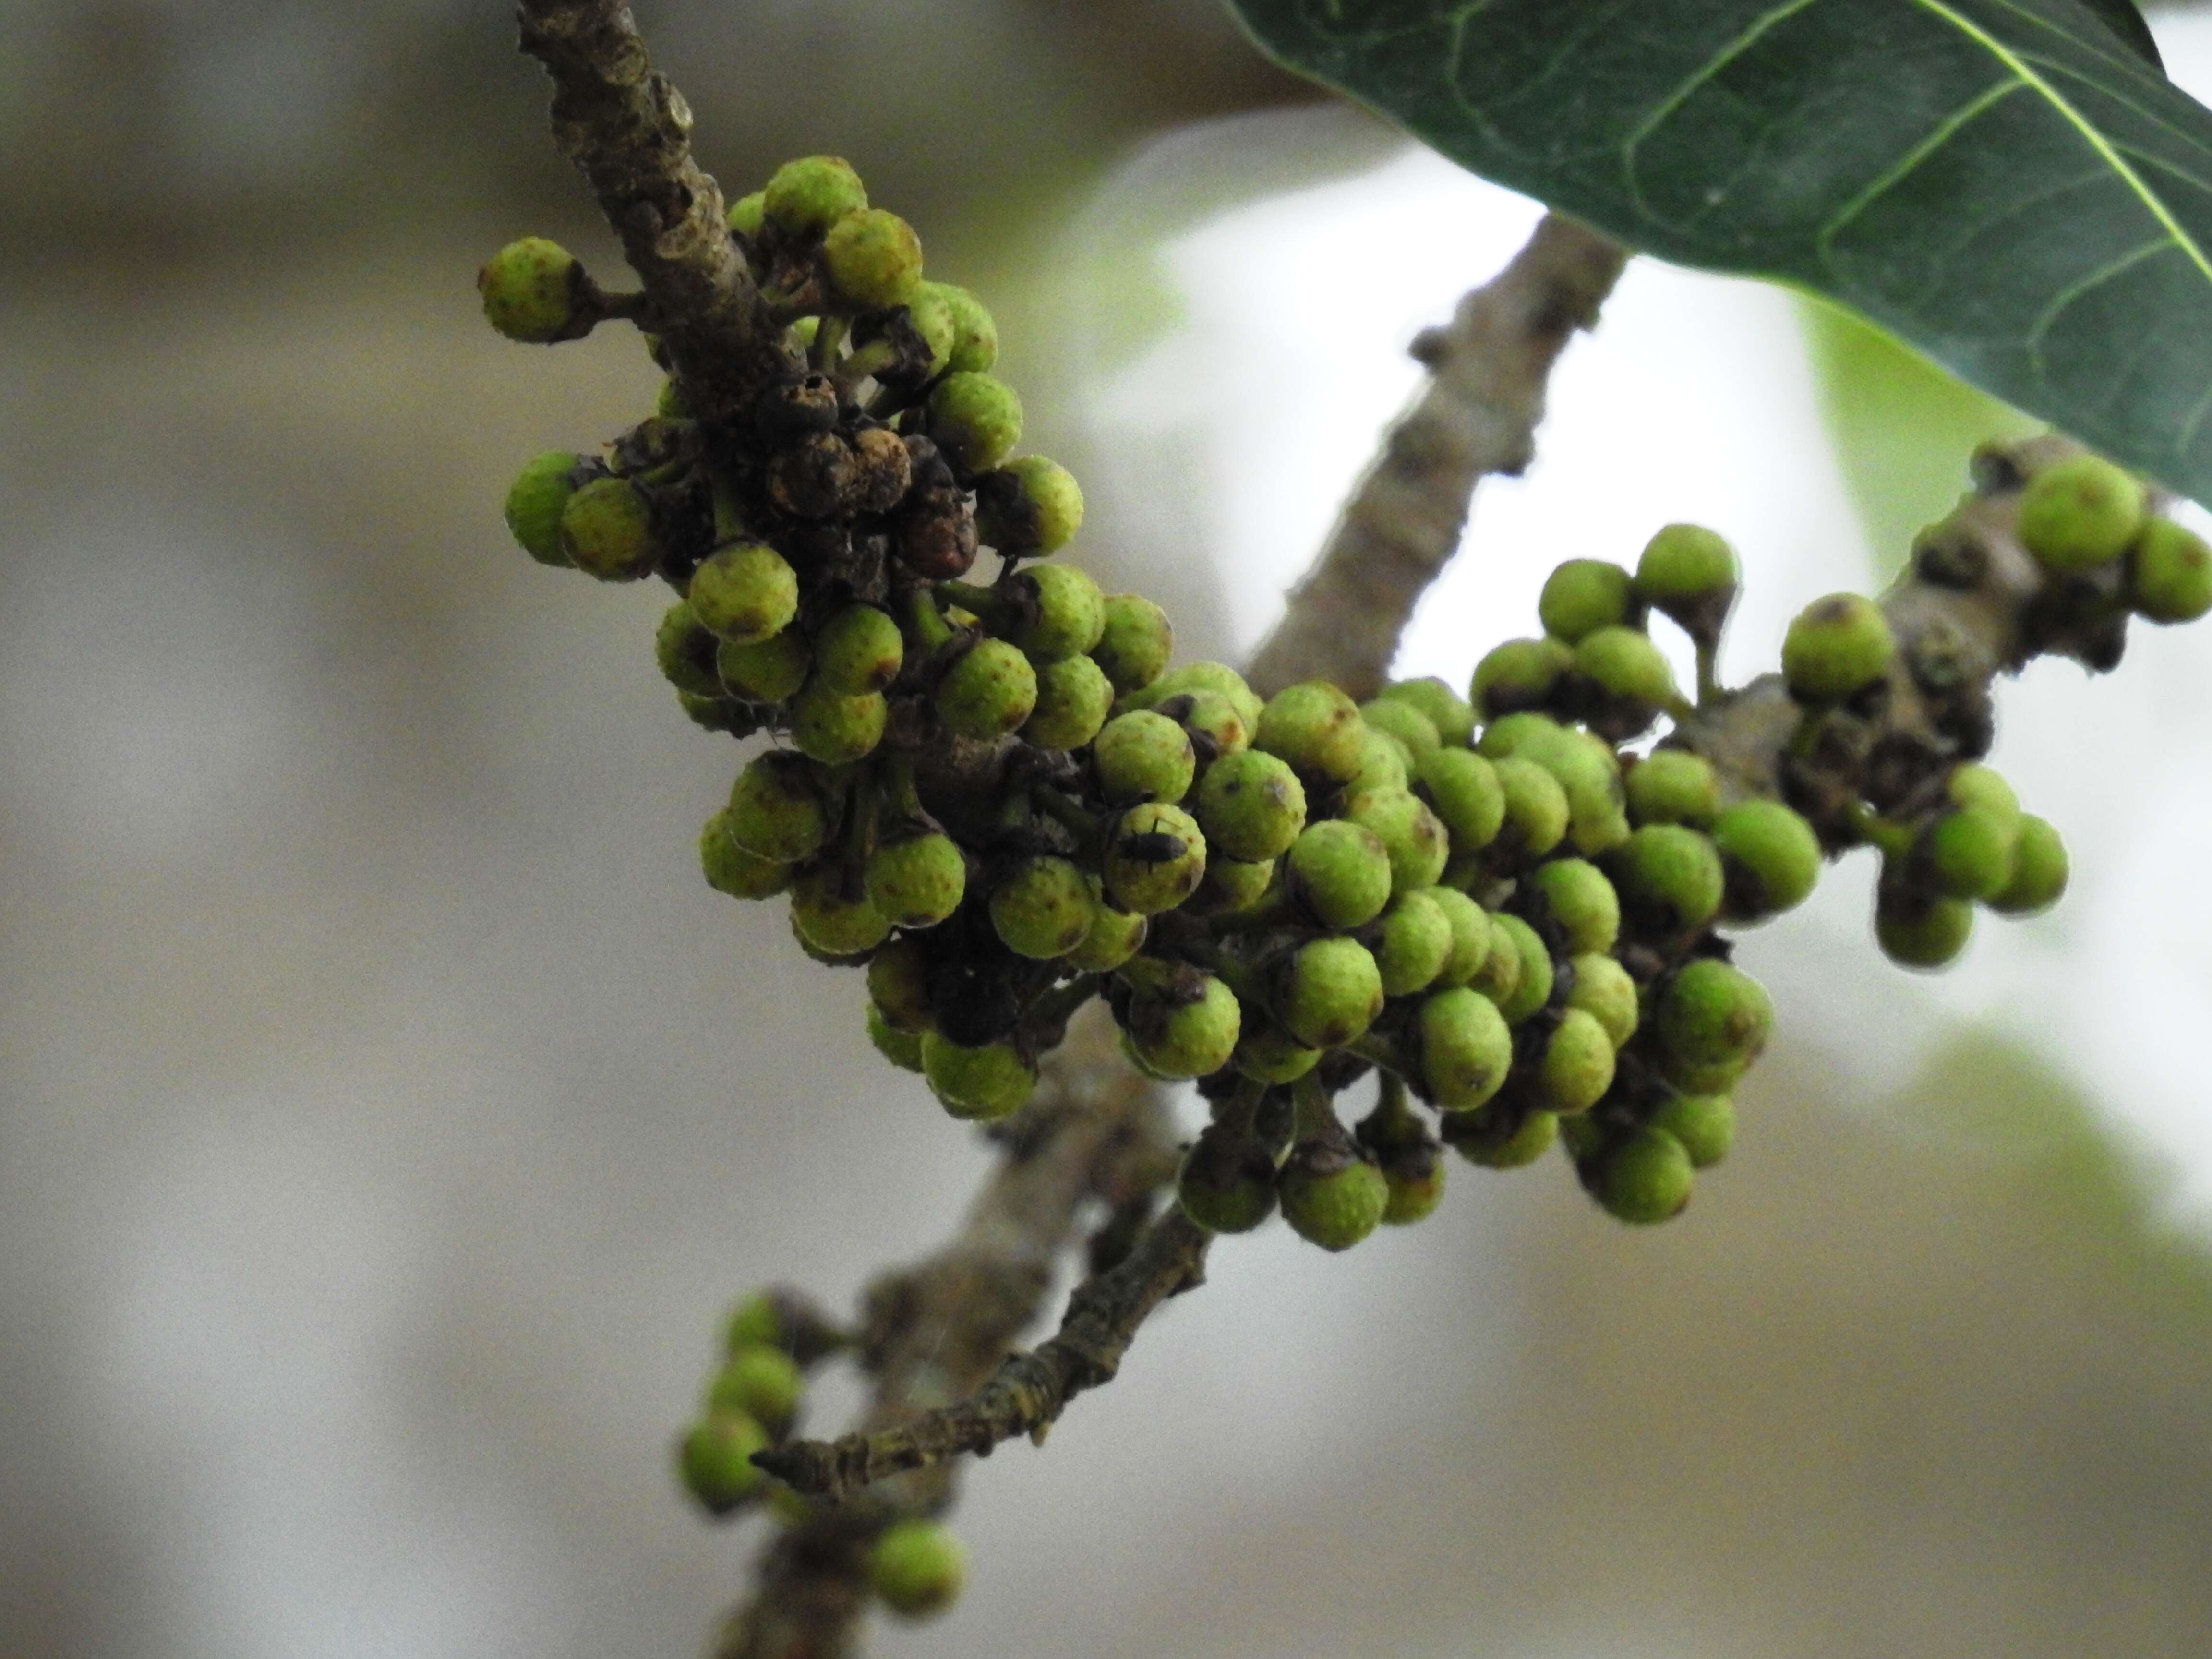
pixel 1584 595
pixel 989 690
pixel 745 593
pixel 1340 872
pixel 1836 647
pixel 530 291
pixel 535 500
pixel 1043 908
pixel 606 532
pixel 917 882
pixel 2079 512
pixel 916 1568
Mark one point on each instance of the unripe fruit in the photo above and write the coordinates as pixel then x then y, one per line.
pixel 1527 734
pixel 1921 934
pixel 769 671
pixel 715 1462
pixel 1216 727
pixel 1669 878
pixel 806 197
pixel 1251 805
pixel 917 882
pixel 1205 676
pixel 534 502
pixel 1340 872
pixel 1449 714
pixel 1769 857
pixel 1043 908
pixel 1536 808
pixel 1332 1203
pixel 1712 1016
pixel 1316 728
pixel 1973 784
pixel 1416 944
pixel 902 1049
pixel 1589 774
pixel 989 690
pixel 1836 647
pixel 1495 1138
pixel 1970 852
pixel 857 651
pixel 931 319
pixel 834 729
pixel 745 593
pixel 759 1382
pixel 1267 1054
pixel 669 405
pixel 1463 788
pixel 755 1320
pixel 872 259
pixel 1688 573
pixel 1471 935
pixel 833 913
pixel 732 869
pixel 1581 596
pixel 606 532
pixel 1519 674
pixel 1412 838
pixel 1074 698
pixel 1032 504
pixel 1383 764
pixel 1645 1179
pixel 1231 883
pixel 2038 870
pixel 1135 642
pixel 1604 990
pixel 716 713
pixel 975 336
pixel 1328 991
pixel 899 983
pixel 1404 722
pixel 1155 858
pixel 1704 1124
pixel 685 653
pixel 2079 512
pixel 776 811
pixel 1673 786
pixel 1062 611
pixel 1577 1068
pixel 530 291
pixel 2169 574
pixel 1143 756
pixel 1623 663
pixel 747 214
pixel 981 1084
pixel 1226 1186
pixel 916 1568
pixel 1466 1049
pixel 1115 935
pixel 975 421
pixel 1176 1039
pixel 1579 898
pixel 1414 1176
pixel 1530 979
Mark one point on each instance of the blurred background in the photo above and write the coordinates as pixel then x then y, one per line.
pixel 387 1113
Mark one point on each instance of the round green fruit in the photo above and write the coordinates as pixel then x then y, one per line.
pixel 1519 674
pixel 1915 933
pixel 2079 512
pixel 1577 897
pixel 1416 944
pixel 1134 642
pixel 1494 1139
pixel 772 670
pixel 757 1381
pixel 685 653
pixel 857 651
pixel 1043 908
pixel 1061 612
pixel 606 532
pixel 975 335
pixel 535 500
pixel 833 913
pixel 1713 1016
pixel 1536 813
pixel 1155 859
pixel 744 593
pixel 1450 714
pixel 1251 805
pixel 917 1568
pixel 1031 506
pixel 1328 991
pixel 1669 878
pixel 1689 573
pixel 1645 1179
pixel 834 729
pixel 1531 978
pixel 1074 698
pixel 1603 989
pixel 2169 574
pixel 1177 1039
pixel 776 810
pixel 732 869
pixel 1970 852
pixel 1471 935
pixel 2038 871
pixel 1340 872
pixel 1704 1124
pixel 1226 1188
pixel 899 984
pixel 806 197
pixel 1331 1203
pixel 1576 1066
pixel 715 1460
pixel 1143 756
pixel 975 420
pixel 872 259
pixel 1316 728
pixel 1836 647
pixel 1770 859
pixel 529 290
pixel 1582 595
pixel 1673 786
pixel 1404 722
pixel 1466 1049
pixel 1464 790
pixel 1623 663
pixel 917 882
pixel 980 1085
pixel 990 689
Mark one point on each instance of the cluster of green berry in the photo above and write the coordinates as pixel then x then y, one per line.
pixel 753 1398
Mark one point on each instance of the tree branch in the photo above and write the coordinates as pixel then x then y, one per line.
pixel 1477 417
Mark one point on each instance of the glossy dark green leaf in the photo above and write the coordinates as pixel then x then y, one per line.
pixel 2124 19
pixel 2002 183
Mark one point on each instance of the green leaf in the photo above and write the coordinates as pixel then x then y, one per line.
pixel 2124 19
pixel 2002 183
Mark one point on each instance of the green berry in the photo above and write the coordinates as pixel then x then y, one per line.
pixel 1316 728
pixel 1216 727
pixel 1331 1202
pixel 1043 908
pixel 1536 808
pixel 669 405
pixel 769 671
pixel 833 913
pixel 1689 572
pixel 1623 663
pixel 1449 713
pixel 1673 786
pixel 1532 988
pixel 1712 1018
pixel 1577 897
pixel 776 810
pixel 1464 790
pixel 1413 837
pixel 1970 852
pixel 745 593
pixel 1525 734
pixel 606 532
pixel 1584 595
pixel 1182 1036
pixel 916 1568
pixel 716 713
pixel 899 983
pixel 1416 944
pixel 1062 611
pixel 1835 647
pixel 1577 1068
pixel 1496 1138
pixel 1155 858
pixel 1134 642
pixel 1115 935
pixel 715 1460
pixel 975 336
pixel 1231 884
pixel 1414 1176
pixel 2079 512
pixel 917 882
pixel 759 1382
pixel 684 652
pixel 1603 989
pixel 1073 697
pixel 1471 935
pixel 1143 756
pixel 1328 991
pixel 747 214
pixel 1340 872
pixel 1704 1124
pixel 1226 1186
pixel 857 651
pixel 1914 933
pixel 535 500
pixel 1589 774
pixel 2169 574
pixel 806 197
pixel 1669 878
pixel 1267 1054
pixel 2038 870
pixel 1466 1049
pixel 529 290
pixel 1973 784
pixel 1029 505
pixel 1204 676
pixel 755 1320
pixel 1645 1179
pixel 990 689
pixel 1383 764
pixel 981 1085
pixel 732 869
pixel 1519 674
pixel 976 419
pixel 1497 974
pixel 834 729
pixel 1404 722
